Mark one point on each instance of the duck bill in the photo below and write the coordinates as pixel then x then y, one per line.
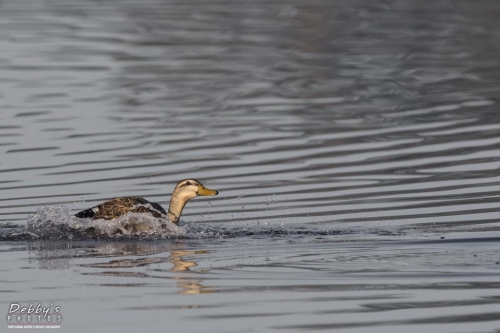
pixel 205 191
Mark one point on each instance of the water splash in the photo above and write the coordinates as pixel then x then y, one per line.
pixel 57 223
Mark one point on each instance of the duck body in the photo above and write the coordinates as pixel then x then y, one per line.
pixel 116 207
pixel 184 191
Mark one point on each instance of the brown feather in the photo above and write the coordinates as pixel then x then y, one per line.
pixel 116 207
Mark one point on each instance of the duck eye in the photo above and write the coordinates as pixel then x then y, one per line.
pixel 188 183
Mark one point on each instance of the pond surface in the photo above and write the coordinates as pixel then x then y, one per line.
pixel 355 146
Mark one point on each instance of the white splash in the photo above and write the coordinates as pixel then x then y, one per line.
pixel 56 222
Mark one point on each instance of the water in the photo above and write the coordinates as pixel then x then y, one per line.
pixel 354 144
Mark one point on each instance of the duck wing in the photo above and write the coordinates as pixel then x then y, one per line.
pixel 116 207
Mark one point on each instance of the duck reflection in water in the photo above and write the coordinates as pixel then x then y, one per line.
pixel 52 256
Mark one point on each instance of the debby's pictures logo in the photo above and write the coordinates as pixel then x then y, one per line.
pixel 34 316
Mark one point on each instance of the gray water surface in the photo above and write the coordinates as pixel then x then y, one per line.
pixel 355 146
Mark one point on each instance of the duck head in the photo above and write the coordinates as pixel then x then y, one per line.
pixel 184 191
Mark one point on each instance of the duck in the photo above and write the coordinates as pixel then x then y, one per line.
pixel 184 191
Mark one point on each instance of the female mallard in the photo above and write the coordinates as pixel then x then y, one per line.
pixel 184 191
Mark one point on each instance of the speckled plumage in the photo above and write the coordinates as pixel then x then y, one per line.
pixel 116 207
